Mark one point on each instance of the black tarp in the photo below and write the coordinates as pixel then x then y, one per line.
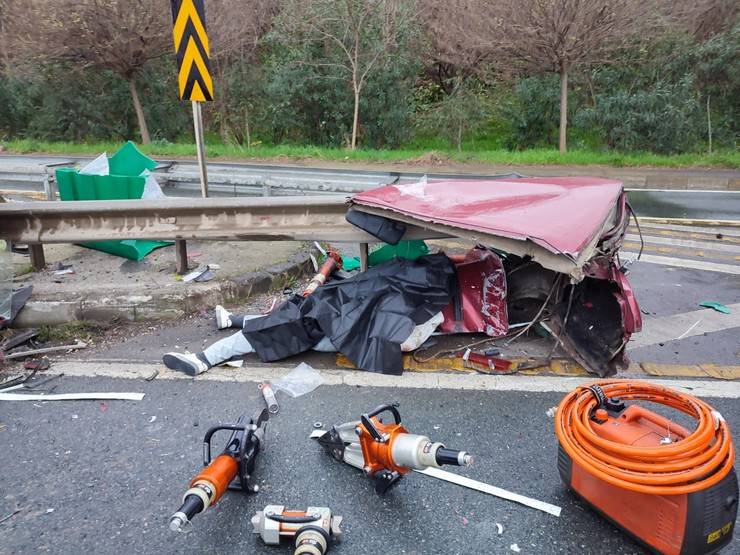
pixel 366 317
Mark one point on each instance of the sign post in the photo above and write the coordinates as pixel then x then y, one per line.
pixel 193 68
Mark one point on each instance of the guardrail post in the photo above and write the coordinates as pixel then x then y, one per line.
pixel 38 260
pixel 181 256
pixel 363 256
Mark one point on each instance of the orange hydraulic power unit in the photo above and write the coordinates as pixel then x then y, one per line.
pixel 673 490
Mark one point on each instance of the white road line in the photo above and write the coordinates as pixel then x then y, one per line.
pixel 686 243
pixel 683 263
pixel 686 324
pixel 432 380
pixel 730 232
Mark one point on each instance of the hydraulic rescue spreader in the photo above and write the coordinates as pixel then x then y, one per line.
pixel 232 469
pixel 386 451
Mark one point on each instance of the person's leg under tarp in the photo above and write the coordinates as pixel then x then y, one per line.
pixel 218 353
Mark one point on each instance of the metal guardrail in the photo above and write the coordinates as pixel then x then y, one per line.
pixel 229 219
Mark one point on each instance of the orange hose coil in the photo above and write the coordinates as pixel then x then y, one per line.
pixel 692 464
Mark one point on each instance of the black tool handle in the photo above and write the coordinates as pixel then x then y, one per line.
pixel 292 519
pixel 209 435
pixel 370 426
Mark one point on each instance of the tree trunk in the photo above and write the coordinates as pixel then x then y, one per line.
pixel 143 129
pixel 459 137
pixel 355 120
pixel 709 124
pixel 563 108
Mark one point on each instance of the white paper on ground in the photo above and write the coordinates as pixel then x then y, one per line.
pixel 99 166
pixel 491 490
pixel 72 397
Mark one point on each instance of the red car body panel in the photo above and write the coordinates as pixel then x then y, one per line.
pixel 578 223
pixel 481 307
pixel 561 214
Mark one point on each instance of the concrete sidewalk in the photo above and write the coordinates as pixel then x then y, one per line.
pixel 107 288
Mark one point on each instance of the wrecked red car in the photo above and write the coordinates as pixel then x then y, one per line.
pixel 557 240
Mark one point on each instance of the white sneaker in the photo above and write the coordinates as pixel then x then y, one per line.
pixel 223 319
pixel 185 362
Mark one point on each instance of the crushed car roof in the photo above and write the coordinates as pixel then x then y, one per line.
pixel 539 216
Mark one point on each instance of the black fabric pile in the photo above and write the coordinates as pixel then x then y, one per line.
pixel 366 317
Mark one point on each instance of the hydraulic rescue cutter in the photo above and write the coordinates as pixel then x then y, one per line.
pixel 311 531
pixel 232 469
pixel 673 490
pixel 385 452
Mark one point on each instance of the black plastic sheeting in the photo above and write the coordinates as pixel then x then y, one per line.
pixel 366 317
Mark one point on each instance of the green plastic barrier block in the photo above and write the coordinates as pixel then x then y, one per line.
pixel 130 161
pixel 124 182
pixel 404 249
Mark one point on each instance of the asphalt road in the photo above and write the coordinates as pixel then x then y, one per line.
pixel 104 478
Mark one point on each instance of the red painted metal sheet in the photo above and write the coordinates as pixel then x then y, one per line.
pixel 482 284
pixel 561 214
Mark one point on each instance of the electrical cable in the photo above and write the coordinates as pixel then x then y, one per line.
pixel 694 463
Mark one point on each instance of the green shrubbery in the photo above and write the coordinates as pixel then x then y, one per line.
pixel 658 100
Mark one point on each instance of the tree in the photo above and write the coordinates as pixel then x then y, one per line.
pixel 460 113
pixel 355 38
pixel 544 35
pixel 235 30
pixel 118 35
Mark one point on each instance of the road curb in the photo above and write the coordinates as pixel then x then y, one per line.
pixel 137 308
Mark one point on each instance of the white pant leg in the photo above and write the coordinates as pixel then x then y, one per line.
pixel 222 350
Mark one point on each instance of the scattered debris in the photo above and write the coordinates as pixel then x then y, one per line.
pixel 18 339
pixel 201 274
pixel 719 307
pixel 269 395
pixel 515 548
pixel 42 351
pixel 152 419
pixel 40 364
pixel 64 272
pixel 72 397
pixel 18 299
pixel 491 490
pixel 688 331
pixel 11 515
pixel 151 376
pixel 103 407
pixel 499 528
pixel 301 380
pixel 318 425
pixel 551 412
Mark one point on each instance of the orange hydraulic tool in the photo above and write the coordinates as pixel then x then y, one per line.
pixel 232 469
pixel 312 531
pixel 673 490
pixel 332 264
pixel 385 451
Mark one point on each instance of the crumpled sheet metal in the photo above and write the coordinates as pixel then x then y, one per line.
pixel 560 214
pixel 482 286
pixel 366 317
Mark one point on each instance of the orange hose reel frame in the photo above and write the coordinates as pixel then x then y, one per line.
pixel 697 462
pixel 378 456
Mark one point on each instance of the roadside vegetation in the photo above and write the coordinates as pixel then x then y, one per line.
pixel 638 82
pixel 422 156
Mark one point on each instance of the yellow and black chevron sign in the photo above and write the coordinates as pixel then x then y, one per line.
pixel 191 45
